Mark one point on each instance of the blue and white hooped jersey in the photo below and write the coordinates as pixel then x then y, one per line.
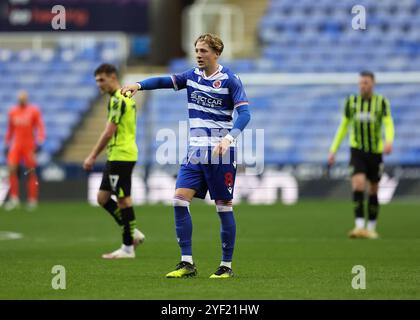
pixel 211 102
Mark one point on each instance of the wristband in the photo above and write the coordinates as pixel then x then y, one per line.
pixel 229 138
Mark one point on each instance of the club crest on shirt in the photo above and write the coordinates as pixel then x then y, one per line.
pixel 217 84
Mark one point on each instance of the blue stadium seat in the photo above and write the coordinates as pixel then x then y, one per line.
pixel 287 25
pixel 60 81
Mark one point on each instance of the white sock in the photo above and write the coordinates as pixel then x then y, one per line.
pixel 371 225
pixel 226 264
pixel 187 259
pixel 360 223
pixel 128 249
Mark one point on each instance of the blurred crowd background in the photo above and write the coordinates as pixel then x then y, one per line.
pixel 298 60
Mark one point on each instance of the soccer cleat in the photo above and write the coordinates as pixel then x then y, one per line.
pixel 358 233
pixel 222 272
pixel 139 238
pixel 371 234
pixel 11 204
pixel 119 254
pixel 183 270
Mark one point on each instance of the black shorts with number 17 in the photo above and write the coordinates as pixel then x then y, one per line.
pixel 371 164
pixel 116 178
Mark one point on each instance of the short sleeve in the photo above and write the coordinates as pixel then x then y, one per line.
pixel 237 92
pixel 116 109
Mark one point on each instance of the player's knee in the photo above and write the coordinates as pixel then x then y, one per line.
pixel 358 184
pixel 12 169
pixel 102 199
pixel 180 201
pixel 358 187
pixel 125 202
pixel 373 190
pixel 224 205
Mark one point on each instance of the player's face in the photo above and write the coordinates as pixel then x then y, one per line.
pixel 23 98
pixel 206 57
pixel 105 82
pixel 366 85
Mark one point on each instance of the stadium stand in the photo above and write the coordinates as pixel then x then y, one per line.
pixel 318 38
pixel 59 80
pixel 300 130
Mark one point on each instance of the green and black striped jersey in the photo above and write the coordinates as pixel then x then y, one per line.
pixel 365 118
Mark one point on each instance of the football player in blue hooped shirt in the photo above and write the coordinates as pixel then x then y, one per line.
pixel 213 92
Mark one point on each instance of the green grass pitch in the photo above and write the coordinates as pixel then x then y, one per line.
pixel 282 252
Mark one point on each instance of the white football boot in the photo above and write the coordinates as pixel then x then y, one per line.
pixel 139 238
pixel 120 254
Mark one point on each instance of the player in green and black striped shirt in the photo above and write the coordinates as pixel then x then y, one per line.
pixel 119 138
pixel 366 114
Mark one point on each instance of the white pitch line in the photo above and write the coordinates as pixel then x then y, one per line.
pixel 8 235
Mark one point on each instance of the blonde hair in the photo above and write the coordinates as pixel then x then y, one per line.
pixel 213 42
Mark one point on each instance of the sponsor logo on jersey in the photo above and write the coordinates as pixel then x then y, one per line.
pixel 205 99
pixel 217 84
pixel 365 117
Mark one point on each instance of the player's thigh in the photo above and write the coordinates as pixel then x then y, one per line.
pixel 125 202
pixel 358 182
pixel 120 178
pixel 190 182
pixel 29 159
pixel 375 168
pixel 358 162
pixel 185 193
pixel 13 159
pixel 221 181
pixel 103 197
pixel 358 169
pixel 116 178
pixel 12 168
pixel 105 182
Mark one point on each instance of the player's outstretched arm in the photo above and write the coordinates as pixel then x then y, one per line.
pixel 148 84
pixel 129 90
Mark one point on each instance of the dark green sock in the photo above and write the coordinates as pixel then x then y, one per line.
pixel 128 225
pixel 373 207
pixel 358 198
pixel 112 207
